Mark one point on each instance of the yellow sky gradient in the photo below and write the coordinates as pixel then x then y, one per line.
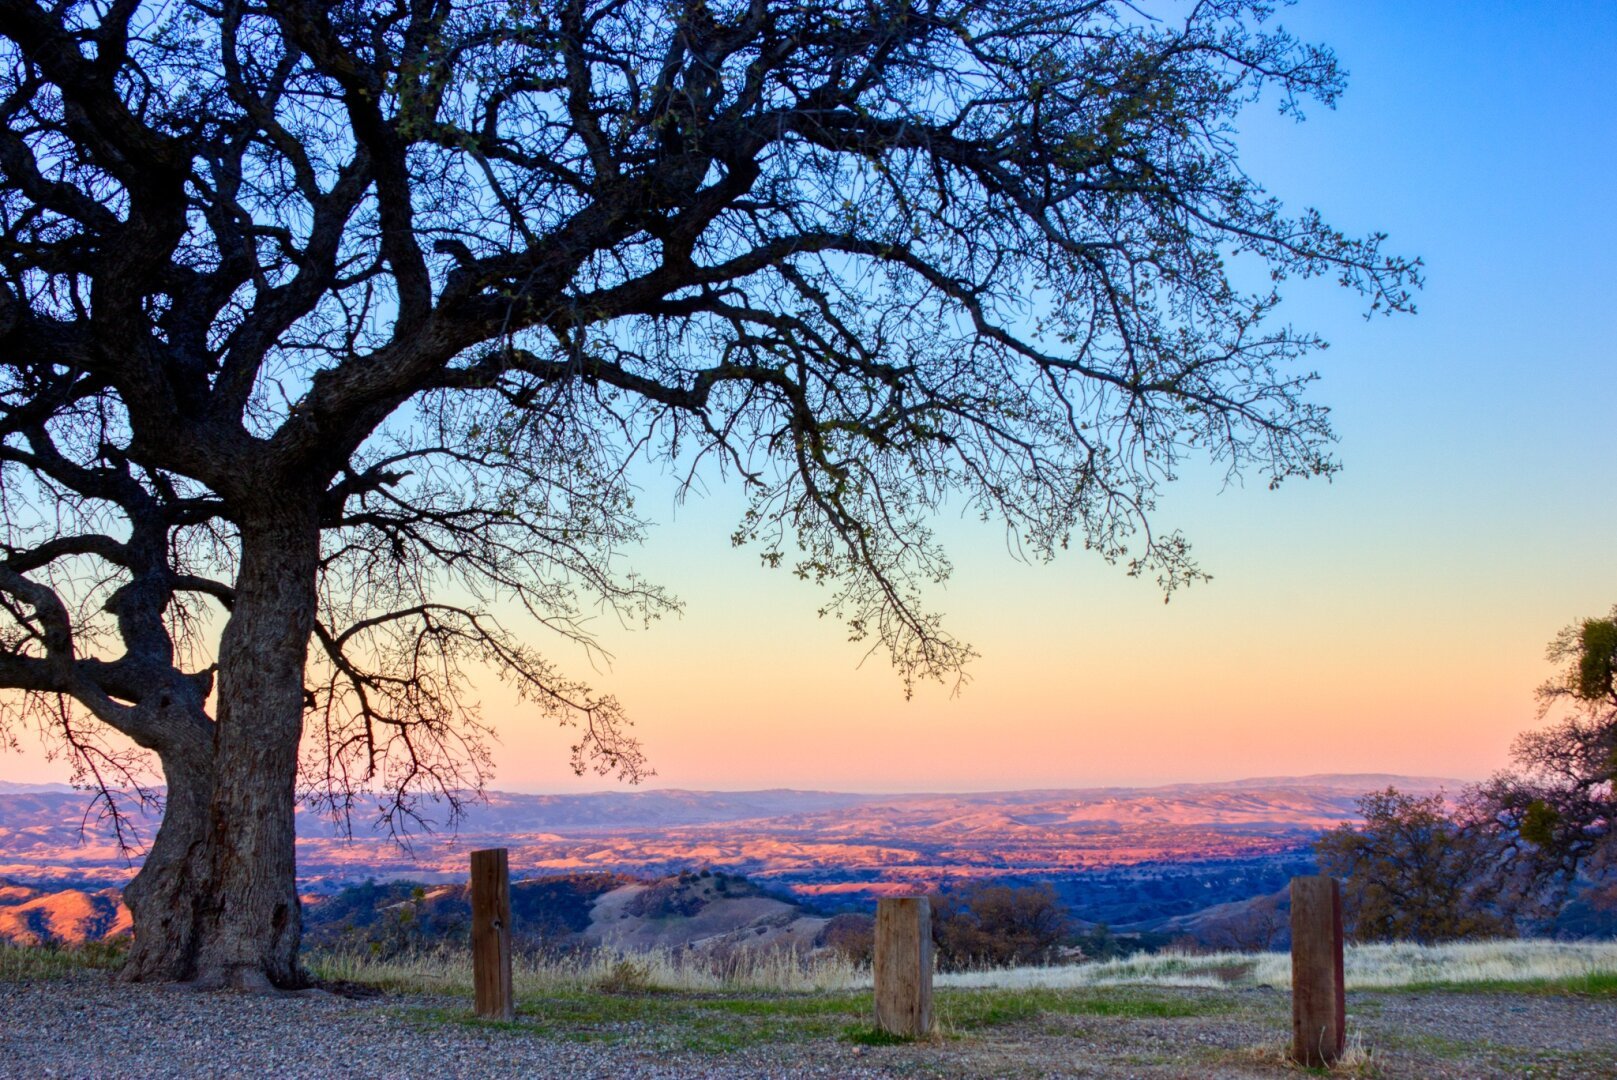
pixel 1280 666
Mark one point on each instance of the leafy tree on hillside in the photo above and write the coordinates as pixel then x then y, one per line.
pixel 1553 816
pixel 1413 873
pixel 328 330
pixel 1516 844
pixel 997 926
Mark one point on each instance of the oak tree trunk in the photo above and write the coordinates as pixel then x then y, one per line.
pixel 250 931
pixel 169 898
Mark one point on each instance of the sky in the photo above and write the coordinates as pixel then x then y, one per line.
pixel 1393 620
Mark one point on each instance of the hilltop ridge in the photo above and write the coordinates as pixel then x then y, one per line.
pixel 809 841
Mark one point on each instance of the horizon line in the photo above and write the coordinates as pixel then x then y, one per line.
pixel 44 786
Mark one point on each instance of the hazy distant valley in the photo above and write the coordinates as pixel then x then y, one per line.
pixel 1126 856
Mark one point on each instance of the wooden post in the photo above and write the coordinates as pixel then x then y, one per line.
pixel 491 935
pixel 1318 999
pixel 904 966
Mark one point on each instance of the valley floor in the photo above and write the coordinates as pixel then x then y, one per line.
pixel 80 1023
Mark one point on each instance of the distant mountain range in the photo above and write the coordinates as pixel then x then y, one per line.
pixel 9 788
pixel 1206 861
pixel 814 843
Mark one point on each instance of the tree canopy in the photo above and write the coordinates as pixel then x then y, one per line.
pixel 989 925
pixel 1552 815
pixel 1513 849
pixel 1413 873
pixel 326 329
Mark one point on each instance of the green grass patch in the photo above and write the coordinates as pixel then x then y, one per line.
pixel 1431 1045
pixel 724 1023
pixel 794 1006
pixel 965 1010
pixel 1593 984
pixel 869 1035
pixel 1164 1008
pixel 697 1022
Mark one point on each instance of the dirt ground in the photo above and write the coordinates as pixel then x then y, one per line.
pixel 88 1025
pixel 1415 1035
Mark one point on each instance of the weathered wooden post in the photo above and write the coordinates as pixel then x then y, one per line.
pixel 491 934
pixel 1318 998
pixel 903 966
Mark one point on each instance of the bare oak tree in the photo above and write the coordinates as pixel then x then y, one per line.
pixel 327 331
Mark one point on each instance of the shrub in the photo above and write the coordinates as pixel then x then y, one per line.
pixel 625 977
pixel 1413 873
pixel 851 936
pixel 997 925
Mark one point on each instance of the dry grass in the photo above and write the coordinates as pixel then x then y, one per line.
pixel 1367 967
pixel 1477 963
pixel 23 963
pixel 1357 1059
pixel 448 970
pixel 1585 966
pixel 1501 964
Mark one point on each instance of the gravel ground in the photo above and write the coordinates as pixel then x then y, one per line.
pixel 91 1026
pixel 87 1025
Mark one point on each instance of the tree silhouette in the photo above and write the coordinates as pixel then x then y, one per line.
pixel 328 329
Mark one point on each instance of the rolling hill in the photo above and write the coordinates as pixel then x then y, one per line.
pixel 1120 855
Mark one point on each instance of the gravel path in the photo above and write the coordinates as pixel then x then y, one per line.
pixel 87 1025
pixel 91 1026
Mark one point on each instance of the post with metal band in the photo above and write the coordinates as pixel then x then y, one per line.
pixel 1318 997
pixel 903 966
pixel 491 935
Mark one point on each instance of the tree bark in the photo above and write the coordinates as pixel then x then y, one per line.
pixel 250 938
pixel 169 898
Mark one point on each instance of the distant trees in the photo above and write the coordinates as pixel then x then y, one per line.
pixel 687 893
pixel 1513 847
pixel 1412 872
pixel 1258 925
pixel 997 926
pixel 400 917
pixel 1099 943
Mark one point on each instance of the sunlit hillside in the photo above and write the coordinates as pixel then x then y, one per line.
pixel 812 842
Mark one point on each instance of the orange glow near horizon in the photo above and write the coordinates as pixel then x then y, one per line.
pixel 1281 666
pixel 1307 654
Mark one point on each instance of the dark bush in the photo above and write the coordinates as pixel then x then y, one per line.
pixel 851 935
pixel 997 925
